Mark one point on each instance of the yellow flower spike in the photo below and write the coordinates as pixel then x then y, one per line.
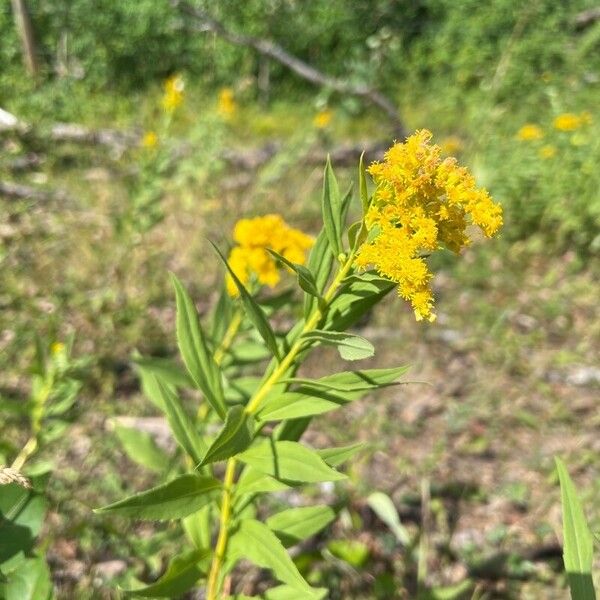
pixel 530 132
pixel 249 259
pixel 421 203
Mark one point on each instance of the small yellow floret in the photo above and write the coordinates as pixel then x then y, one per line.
pixel 530 132
pixel 173 95
pixel 150 140
pixel 568 122
pixel 226 106
pixel 322 119
pixel 249 258
pixel 57 348
pixel 547 152
pixel 421 203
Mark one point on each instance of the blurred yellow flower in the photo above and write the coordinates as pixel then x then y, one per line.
pixel 421 203
pixel 250 259
pixel 547 151
pixel 150 140
pixel 226 106
pixel 529 132
pixel 322 118
pixel 57 348
pixel 568 122
pixel 173 95
pixel 451 145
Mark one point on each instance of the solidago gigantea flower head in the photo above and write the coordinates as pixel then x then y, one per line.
pixel 422 202
pixel 249 258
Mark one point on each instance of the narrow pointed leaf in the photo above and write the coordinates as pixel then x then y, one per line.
pixel 384 508
pixel 578 543
pixel 287 592
pixel 252 481
pixel 142 449
pixel 194 350
pixel 320 261
pixel 362 185
pixel 235 436
pixel 337 456
pixel 256 542
pixel 306 279
pixel 299 523
pixel 181 424
pixel 289 461
pixel 293 405
pixel 253 310
pixel 349 345
pixel 176 499
pixel 332 210
pixel 181 575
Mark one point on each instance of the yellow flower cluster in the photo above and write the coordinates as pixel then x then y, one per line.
pixel 571 121
pixel 249 259
pixel 421 202
pixel 226 106
pixel 530 132
pixel 173 95
pixel 322 119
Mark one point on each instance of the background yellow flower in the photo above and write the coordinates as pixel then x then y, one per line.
pixel 530 132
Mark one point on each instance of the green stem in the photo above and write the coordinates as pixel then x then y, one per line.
pixel 251 408
pixel 230 333
pixel 37 414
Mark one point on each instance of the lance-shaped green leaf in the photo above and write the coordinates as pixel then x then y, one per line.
pixel 221 316
pixel 173 500
pixel 181 575
pixel 289 461
pixel 293 405
pixel 349 345
pixel 332 210
pixel 253 310
pixel 142 449
pixel 320 261
pixel 194 350
pixel 578 544
pixel 256 542
pixel 287 592
pixel 336 456
pixel 351 382
pixel 362 185
pixel 252 481
pixel 299 523
pixel 356 299
pixel 234 437
pixel 381 504
pixel 180 422
pixel 306 279
pixel 168 370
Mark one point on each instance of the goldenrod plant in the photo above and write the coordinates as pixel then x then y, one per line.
pixel 24 574
pixel 243 441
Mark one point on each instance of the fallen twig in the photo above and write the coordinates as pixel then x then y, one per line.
pixel 206 22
